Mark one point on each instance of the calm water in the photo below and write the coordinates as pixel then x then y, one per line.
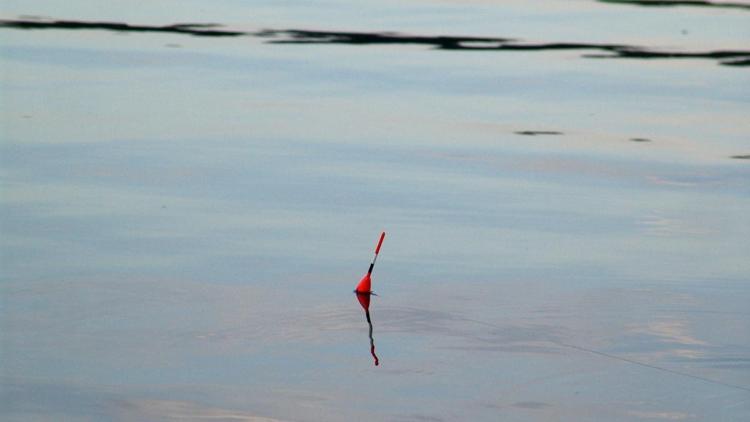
pixel 186 210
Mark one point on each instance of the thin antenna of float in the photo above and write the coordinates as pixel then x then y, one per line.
pixel 365 285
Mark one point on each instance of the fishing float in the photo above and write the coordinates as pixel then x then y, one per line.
pixel 365 285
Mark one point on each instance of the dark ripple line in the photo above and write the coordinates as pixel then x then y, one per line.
pixel 196 29
pixel 450 43
pixel 296 36
pixel 675 3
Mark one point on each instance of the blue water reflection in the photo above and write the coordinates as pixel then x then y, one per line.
pixel 183 216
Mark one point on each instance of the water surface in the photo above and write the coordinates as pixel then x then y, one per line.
pixel 187 208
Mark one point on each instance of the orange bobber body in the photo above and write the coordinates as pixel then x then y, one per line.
pixel 365 285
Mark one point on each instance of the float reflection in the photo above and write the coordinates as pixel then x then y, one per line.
pixel 364 300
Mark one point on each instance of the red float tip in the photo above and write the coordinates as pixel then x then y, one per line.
pixel 380 243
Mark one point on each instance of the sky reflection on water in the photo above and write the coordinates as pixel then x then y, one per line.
pixel 183 217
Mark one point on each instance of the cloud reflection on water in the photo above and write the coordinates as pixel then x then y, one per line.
pixel 34 400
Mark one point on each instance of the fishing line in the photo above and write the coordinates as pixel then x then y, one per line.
pixel 364 288
pixel 624 359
